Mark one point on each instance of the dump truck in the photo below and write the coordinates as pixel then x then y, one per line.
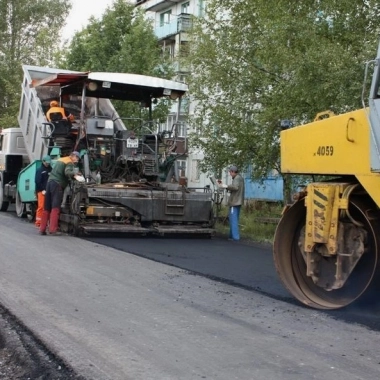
pixel 326 245
pixel 133 183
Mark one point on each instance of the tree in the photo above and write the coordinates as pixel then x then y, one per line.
pixel 254 64
pixel 122 40
pixel 28 35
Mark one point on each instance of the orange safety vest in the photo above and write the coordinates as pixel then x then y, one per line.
pixel 66 159
pixel 56 110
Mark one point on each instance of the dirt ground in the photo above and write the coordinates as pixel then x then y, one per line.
pixel 22 357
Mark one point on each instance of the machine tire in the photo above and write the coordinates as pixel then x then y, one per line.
pixel 291 267
pixel 20 206
pixel 3 204
pixel 31 211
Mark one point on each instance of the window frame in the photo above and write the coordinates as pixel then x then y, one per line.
pixel 165 20
pixel 185 7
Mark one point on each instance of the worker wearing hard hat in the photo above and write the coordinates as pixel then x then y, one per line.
pixel 41 178
pixel 63 171
pixel 56 112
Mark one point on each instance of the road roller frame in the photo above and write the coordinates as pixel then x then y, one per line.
pixel 324 236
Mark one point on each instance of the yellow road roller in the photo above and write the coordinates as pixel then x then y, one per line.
pixel 327 243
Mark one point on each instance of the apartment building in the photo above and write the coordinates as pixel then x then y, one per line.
pixel 171 21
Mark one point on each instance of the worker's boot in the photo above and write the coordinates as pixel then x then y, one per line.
pixel 54 219
pixel 44 222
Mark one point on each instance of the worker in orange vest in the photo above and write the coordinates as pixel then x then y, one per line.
pixel 55 108
pixel 62 173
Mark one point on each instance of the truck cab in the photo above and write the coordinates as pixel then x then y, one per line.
pixel 13 157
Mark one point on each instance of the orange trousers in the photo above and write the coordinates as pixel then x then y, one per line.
pixel 40 208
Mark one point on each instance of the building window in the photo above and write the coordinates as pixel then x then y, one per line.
pixel 201 8
pixel 181 129
pixel 168 51
pixel 185 104
pixel 168 124
pixel 185 7
pixel 165 18
pixel 178 128
pixel 181 167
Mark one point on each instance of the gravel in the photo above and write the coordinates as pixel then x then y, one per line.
pixel 23 357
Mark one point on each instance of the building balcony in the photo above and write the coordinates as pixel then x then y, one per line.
pixel 156 5
pixel 181 23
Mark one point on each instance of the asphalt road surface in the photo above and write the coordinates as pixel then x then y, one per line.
pixel 114 309
pixel 245 264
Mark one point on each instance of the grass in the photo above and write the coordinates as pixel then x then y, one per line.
pixel 258 221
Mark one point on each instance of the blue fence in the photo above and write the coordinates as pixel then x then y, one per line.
pixel 270 189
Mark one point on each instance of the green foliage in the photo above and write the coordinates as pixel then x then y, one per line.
pixel 28 35
pixel 122 40
pixel 258 221
pixel 254 64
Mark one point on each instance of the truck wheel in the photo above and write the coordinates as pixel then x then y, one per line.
pixel 20 207
pixel 3 204
pixel 31 211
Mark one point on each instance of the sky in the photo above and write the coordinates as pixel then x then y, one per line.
pixel 81 11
